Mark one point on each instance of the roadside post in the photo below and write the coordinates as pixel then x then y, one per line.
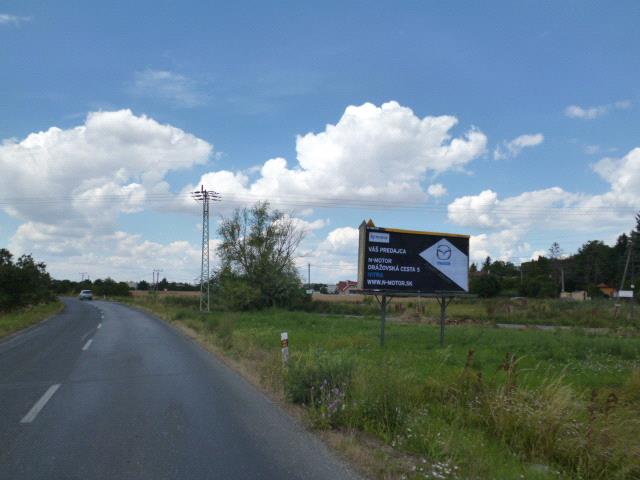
pixel 407 263
pixel 284 346
pixel 383 316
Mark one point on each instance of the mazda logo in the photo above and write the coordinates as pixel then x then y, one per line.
pixel 443 252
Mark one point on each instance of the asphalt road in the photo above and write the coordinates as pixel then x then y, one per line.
pixel 102 391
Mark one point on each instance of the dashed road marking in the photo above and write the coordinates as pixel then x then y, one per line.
pixel 88 344
pixel 35 410
pixel 99 326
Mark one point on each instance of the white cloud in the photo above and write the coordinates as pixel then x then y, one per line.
pixel 591 149
pixel 381 153
pixel 552 209
pixel 514 147
pixel 538 253
pixel 589 113
pixel 305 226
pixel 116 254
pixel 173 87
pixel 70 186
pixel 334 258
pixel 8 19
pixel 622 104
pixel 89 174
pixel 623 174
pixel 506 245
pixel 437 190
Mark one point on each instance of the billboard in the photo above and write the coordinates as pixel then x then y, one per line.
pixel 408 261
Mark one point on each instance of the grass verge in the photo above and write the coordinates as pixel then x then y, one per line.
pixel 492 404
pixel 14 321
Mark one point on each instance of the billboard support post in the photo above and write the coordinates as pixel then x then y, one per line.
pixel 383 302
pixel 444 303
pixel 383 318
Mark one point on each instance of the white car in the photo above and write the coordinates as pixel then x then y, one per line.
pixel 86 295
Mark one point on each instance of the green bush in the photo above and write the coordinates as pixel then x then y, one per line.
pixel 485 286
pixel 224 327
pixel 237 294
pixel 182 301
pixel 23 282
pixel 308 374
pixel 382 399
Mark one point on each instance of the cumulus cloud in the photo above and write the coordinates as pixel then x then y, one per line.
pixel 123 255
pixel 437 190
pixel 623 174
pixel 382 153
pixel 334 258
pixel 16 20
pixel 69 187
pixel 172 87
pixel 514 147
pixel 89 174
pixel 591 149
pixel 552 209
pixel 506 245
pixel 589 113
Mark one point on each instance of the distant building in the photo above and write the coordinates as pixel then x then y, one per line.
pixel 332 288
pixel 608 291
pixel 579 295
pixel 344 287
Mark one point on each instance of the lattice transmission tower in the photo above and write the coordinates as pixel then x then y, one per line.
pixel 205 196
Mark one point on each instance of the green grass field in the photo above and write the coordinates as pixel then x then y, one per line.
pixel 17 320
pixel 493 403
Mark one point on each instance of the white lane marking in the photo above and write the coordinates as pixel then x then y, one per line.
pixel 88 344
pixel 35 410
pixel 99 326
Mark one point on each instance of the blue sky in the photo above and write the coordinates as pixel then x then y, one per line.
pixel 548 91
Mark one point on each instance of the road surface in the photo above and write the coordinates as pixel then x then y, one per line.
pixel 102 391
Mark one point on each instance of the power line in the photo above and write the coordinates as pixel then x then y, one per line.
pixel 333 202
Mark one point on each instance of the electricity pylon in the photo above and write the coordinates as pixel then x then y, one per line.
pixel 205 197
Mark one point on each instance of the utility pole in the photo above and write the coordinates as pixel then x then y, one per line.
pixel 309 275
pixel 82 275
pixel 156 279
pixel 626 265
pixel 205 197
pixel 562 277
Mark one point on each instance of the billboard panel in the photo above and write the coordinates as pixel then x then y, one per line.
pixel 410 261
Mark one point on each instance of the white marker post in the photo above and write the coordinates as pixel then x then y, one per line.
pixel 284 344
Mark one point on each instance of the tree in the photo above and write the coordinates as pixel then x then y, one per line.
pixel 595 263
pixel 23 282
pixel 486 265
pixel 258 249
pixel 555 252
pixel 485 286
pixel 143 285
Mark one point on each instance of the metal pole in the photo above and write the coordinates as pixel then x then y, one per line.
pixel 383 318
pixel 205 196
pixel 309 275
pixel 204 272
pixel 626 265
pixel 443 316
